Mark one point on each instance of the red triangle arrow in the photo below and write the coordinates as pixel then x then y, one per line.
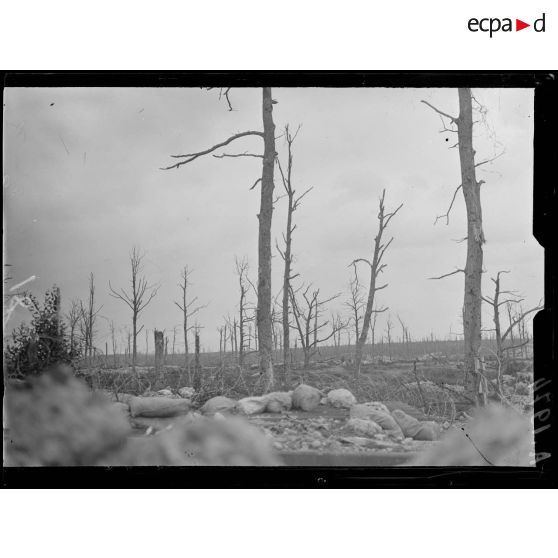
pixel 519 25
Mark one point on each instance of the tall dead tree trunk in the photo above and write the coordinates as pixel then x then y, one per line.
pixel 264 322
pixel 197 367
pixel 113 339
pixel 389 327
pixel 240 341
pixel 88 318
pixel 475 239
pixel 287 255
pixel 496 303
pixel 376 267
pixel 187 312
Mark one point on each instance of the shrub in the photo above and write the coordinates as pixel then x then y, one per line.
pixel 42 343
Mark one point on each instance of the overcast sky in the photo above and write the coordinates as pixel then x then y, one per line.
pixel 82 185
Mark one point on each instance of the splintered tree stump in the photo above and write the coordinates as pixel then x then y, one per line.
pixel 159 350
pixel 197 367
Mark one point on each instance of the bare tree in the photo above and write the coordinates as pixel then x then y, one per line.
pixel 389 327
pixel 373 329
pixel 188 310
pixel 337 326
pixel 376 267
pixel 514 321
pixel 293 201
pixel 73 317
pixel 243 319
pixel 173 341
pixel 264 322
pixel 88 316
pixel 462 125
pixel 222 333
pixel 405 336
pixel 138 298
pixel 113 339
pixel 231 335
pixel 307 314
pixel 355 303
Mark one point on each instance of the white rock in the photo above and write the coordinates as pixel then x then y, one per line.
pixel 341 398
pixel 306 398
pixel 164 392
pixel 251 405
pixel 364 427
pixel 409 425
pixel 158 407
pixel 219 404
pixel 373 411
pixel 278 401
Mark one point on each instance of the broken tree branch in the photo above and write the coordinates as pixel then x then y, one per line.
pixel 452 118
pixel 446 215
pixel 189 157
pixel 448 274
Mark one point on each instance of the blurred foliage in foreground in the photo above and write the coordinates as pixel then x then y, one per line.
pixel 44 342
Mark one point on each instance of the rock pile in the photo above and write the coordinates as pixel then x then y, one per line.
pixel 57 421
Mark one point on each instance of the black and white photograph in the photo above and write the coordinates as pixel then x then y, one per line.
pixel 269 276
